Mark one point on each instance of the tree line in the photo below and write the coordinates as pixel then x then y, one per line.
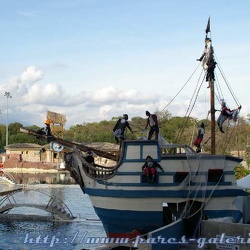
pixel 173 128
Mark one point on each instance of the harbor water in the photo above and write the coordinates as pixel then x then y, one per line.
pixel 34 233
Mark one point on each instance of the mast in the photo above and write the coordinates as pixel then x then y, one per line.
pixel 209 64
pixel 212 113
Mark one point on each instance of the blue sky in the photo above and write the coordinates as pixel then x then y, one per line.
pixel 92 60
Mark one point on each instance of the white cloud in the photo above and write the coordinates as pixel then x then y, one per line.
pixel 105 94
pixel 44 94
pixel 31 75
pixel 105 110
pixel 115 95
pixel 33 96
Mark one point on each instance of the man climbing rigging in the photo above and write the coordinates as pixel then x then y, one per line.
pixel 227 113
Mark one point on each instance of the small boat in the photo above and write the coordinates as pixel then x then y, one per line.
pixel 192 186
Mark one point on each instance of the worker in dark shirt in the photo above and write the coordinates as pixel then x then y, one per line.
pixel 120 127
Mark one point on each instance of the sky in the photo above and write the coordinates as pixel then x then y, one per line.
pixel 92 60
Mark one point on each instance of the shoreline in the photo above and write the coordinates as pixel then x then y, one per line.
pixel 33 170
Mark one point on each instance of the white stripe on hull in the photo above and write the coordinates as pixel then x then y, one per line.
pixel 155 204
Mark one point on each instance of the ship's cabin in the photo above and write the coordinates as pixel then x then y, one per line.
pixel 139 150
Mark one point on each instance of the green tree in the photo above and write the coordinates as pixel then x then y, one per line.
pixel 247 156
pixel 2 136
pixel 14 128
pixel 241 172
pixel 173 129
pixel 22 138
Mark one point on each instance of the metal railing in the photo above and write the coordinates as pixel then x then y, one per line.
pixel 55 205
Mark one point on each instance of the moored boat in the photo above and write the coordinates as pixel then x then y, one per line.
pixel 192 185
pixel 128 205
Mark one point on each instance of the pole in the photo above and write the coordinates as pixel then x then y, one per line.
pixel 212 110
pixel 7 127
pixel 7 95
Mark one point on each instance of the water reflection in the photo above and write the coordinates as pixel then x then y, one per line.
pixel 61 177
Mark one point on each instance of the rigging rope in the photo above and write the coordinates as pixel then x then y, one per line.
pixel 197 91
pixel 227 83
pixel 218 96
pixel 229 138
pixel 180 89
pixel 190 109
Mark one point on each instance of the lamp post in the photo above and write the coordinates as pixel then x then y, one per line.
pixel 7 95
